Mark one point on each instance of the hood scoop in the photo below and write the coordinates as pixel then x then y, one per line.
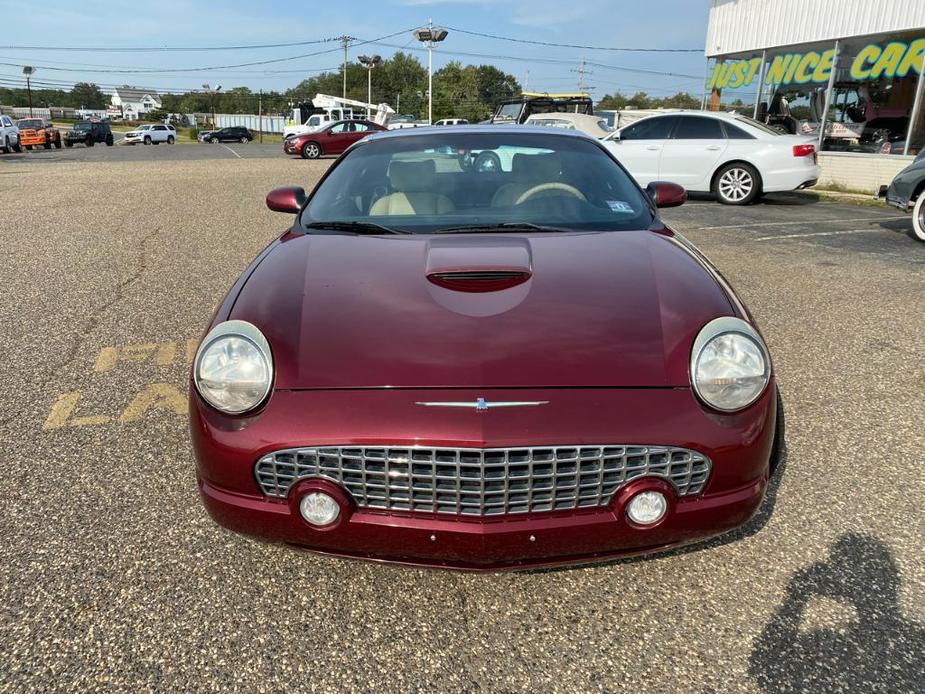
pixel 482 264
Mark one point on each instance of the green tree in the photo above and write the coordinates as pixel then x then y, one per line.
pixel 87 95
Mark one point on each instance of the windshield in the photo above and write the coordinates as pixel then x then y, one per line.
pixel 29 124
pixel 82 126
pixel 144 127
pixel 509 112
pixel 427 183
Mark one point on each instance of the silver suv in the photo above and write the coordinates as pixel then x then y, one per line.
pixel 9 136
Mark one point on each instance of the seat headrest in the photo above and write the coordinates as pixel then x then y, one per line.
pixel 536 167
pixel 411 176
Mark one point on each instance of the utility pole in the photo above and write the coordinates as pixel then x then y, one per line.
pixel 582 87
pixel 526 81
pixel 345 42
pixel 260 114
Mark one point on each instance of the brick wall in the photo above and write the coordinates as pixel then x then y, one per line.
pixel 860 172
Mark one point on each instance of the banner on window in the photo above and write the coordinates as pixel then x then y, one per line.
pixel 873 61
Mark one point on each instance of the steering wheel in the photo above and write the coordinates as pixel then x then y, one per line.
pixel 555 185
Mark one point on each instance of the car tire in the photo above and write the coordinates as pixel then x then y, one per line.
pixel 29 147
pixel 147 139
pixel 487 162
pixel 58 143
pixel 170 140
pixel 109 141
pixel 17 147
pixel 89 142
pixel 6 145
pixel 736 184
pixel 311 150
pixel 213 140
pixel 244 140
pixel 918 217
pixel 68 144
pixel 47 143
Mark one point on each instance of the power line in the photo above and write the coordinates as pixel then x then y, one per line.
pixel 574 45
pixel 550 61
pixel 210 67
pixel 164 49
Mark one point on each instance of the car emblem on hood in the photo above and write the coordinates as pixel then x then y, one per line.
pixel 481 404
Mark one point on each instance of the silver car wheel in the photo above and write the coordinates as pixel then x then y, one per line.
pixel 735 184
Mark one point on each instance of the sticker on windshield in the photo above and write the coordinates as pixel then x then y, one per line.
pixel 620 206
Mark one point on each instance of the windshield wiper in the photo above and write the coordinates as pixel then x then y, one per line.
pixel 503 226
pixel 356 227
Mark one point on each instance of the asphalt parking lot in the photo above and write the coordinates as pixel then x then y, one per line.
pixel 79 154
pixel 113 577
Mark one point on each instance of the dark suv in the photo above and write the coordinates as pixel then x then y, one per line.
pixel 89 133
pixel 229 135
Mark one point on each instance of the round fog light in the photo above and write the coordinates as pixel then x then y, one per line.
pixel 319 508
pixel 647 508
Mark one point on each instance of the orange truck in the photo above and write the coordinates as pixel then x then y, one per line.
pixel 34 132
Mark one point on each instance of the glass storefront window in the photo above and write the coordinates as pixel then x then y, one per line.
pixel 873 91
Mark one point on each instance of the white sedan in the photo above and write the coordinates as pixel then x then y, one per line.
pixel 730 155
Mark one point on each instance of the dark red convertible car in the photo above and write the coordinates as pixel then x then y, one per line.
pixel 482 369
pixel 331 138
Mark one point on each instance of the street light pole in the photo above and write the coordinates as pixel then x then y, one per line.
pixel 212 93
pixel 370 63
pixel 430 35
pixel 28 71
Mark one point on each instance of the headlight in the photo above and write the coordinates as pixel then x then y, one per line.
pixel 729 364
pixel 233 368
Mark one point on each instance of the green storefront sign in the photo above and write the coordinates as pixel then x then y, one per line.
pixel 894 59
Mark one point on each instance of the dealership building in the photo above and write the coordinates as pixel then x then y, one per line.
pixel 856 66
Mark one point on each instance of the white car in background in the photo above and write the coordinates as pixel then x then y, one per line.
pixel 727 154
pixel 595 126
pixel 452 121
pixel 9 136
pixel 152 134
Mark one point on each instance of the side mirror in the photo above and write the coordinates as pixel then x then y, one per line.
pixel 666 194
pixel 286 200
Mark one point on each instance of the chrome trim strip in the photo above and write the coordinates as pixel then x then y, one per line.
pixel 482 404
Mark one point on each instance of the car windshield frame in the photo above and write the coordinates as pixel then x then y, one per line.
pixel 610 199
pixel 83 125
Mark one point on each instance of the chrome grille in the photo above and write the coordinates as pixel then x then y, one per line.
pixel 482 482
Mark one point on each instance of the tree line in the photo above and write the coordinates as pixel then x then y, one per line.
pixel 460 91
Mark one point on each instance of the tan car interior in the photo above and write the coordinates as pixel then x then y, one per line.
pixel 412 183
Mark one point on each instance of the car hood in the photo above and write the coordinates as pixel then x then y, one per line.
pixel 601 309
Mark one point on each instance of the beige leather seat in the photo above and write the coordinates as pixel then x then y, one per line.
pixel 527 170
pixel 412 183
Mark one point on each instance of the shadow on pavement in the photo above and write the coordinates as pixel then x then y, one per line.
pixel 772 199
pixel 877 649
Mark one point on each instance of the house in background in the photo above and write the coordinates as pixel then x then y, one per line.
pixel 131 103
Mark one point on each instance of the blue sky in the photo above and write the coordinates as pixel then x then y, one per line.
pixel 172 23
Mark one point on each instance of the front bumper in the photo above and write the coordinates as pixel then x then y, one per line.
pixel 289 146
pixel 31 139
pixel 739 446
